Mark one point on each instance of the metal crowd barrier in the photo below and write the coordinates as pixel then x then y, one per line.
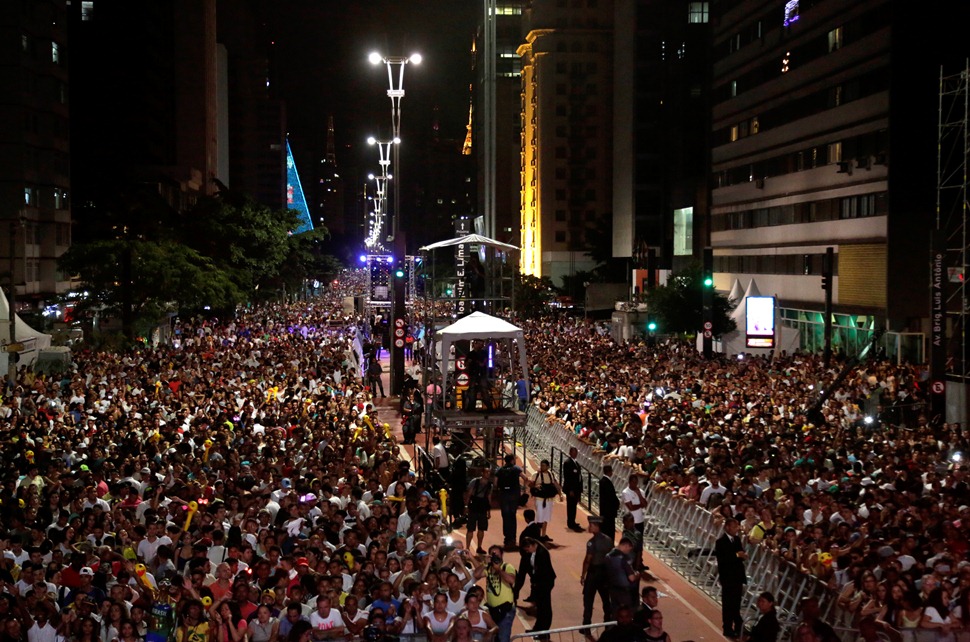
pixel 682 533
pixel 570 634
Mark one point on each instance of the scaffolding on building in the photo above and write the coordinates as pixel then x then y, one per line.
pixel 953 164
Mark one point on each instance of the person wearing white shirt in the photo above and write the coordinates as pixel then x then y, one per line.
pixel 326 621
pixel 713 488
pixel 43 631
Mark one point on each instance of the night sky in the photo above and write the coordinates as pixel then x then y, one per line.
pixel 320 60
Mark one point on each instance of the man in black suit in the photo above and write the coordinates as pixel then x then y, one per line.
pixel 572 485
pixel 609 503
pixel 537 563
pixel 730 555
pixel 767 627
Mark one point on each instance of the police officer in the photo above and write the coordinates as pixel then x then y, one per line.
pixel 594 577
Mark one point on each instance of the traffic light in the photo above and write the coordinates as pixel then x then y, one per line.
pixel 652 326
pixel 399 273
pixel 708 268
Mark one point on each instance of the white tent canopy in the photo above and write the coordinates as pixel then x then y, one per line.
pixel 479 325
pixel 33 340
pixel 737 292
pixel 470 239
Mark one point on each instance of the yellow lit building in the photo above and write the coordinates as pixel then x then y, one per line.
pixel 567 133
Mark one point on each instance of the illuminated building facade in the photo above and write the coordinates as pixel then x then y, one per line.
pixel 567 133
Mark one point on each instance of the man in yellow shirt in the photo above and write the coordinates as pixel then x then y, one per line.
pixel 499 595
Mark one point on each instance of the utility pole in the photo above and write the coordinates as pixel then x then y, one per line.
pixel 707 301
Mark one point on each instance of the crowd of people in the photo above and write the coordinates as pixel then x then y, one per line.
pixel 872 497
pixel 236 484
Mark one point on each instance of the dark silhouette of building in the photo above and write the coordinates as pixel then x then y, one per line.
pixel 661 97
pixel 148 102
pixel 330 189
pixel 35 188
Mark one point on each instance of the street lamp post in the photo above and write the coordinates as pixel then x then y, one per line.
pixel 395 78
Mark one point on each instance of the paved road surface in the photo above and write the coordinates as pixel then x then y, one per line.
pixel 688 613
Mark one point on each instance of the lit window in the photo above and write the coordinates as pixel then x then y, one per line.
pixel 55 53
pixel 786 62
pixel 87 9
pixel 684 231
pixel 30 196
pixel 734 88
pixel 697 12
pixel 754 125
pixel 734 133
pixel 25 43
pixel 508 10
pixel 835 152
pixel 835 39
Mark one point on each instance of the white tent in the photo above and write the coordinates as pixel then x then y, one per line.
pixel 736 342
pixel 469 239
pixel 33 340
pixel 737 292
pixel 479 325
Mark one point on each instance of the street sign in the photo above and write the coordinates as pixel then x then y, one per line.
pixel 398 343
pixel 707 334
pixel 938 387
pixel 399 332
pixel 708 325
pixel 460 363
pixel 14 347
pixel 463 379
pixel 398 323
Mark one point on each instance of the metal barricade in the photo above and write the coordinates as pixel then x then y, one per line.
pixel 568 634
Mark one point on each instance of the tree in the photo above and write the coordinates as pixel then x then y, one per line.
pixel 677 306
pixel 140 259
pixel 533 294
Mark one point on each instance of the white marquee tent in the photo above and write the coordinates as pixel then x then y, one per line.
pixel 33 340
pixel 479 325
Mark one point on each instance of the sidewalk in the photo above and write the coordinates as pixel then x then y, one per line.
pixel 689 614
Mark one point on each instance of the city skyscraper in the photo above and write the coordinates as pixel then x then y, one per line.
pixel 35 168
pixel 567 133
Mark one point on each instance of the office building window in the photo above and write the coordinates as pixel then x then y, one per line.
pixel 734 88
pixel 697 12
pixel 734 133
pixel 560 237
pixel 30 196
pixel 834 153
pixel 684 231
pixel 508 10
pixel 25 43
pixel 55 53
pixel 561 216
pixel 754 125
pixel 835 39
pixel 87 9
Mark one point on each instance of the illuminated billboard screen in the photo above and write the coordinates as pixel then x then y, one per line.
pixel 760 321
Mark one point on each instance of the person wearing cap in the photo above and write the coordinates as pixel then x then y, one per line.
pixel 622 577
pixel 594 577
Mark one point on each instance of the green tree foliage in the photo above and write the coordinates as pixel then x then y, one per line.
pixel 140 259
pixel 677 306
pixel 533 294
